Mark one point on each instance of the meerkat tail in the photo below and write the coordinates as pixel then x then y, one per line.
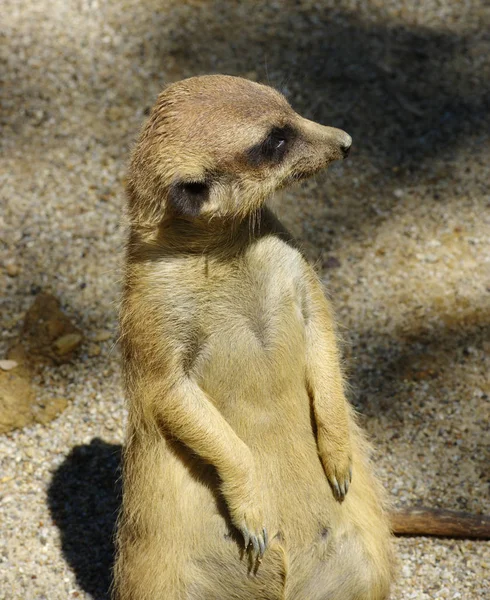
pixel 437 522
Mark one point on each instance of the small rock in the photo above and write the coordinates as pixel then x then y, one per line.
pixel 102 336
pixel 67 343
pixel 12 269
pixel 19 406
pixel 8 365
pixel 16 402
pixel 48 337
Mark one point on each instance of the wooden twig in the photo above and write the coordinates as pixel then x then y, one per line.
pixel 440 522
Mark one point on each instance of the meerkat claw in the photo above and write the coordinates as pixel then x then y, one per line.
pixel 261 547
pixel 342 489
pixel 266 537
pixel 336 488
pixel 246 537
pixel 255 544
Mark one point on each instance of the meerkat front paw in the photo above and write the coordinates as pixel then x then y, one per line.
pixel 255 536
pixel 337 463
pixel 245 506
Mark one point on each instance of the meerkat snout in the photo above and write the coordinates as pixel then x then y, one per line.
pixel 342 142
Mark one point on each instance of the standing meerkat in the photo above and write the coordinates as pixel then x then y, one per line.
pixel 245 474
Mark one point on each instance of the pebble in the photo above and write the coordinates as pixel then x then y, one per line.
pixel 12 269
pixel 67 343
pixel 102 336
pixel 8 365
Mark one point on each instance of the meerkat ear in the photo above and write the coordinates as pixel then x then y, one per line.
pixel 187 197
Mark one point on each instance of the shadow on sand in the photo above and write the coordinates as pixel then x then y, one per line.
pixel 84 498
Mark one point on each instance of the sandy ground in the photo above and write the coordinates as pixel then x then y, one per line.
pixel 400 233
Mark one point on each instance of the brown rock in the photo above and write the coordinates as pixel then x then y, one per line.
pixel 102 336
pixel 67 343
pixel 48 336
pixel 12 270
pixel 19 406
pixel 16 402
pixel 44 413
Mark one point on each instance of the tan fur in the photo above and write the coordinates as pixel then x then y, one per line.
pixel 238 421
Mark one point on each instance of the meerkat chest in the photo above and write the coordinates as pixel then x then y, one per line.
pixel 253 320
pixel 274 305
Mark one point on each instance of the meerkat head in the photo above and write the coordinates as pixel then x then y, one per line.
pixel 219 146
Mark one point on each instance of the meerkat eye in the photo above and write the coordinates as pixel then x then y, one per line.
pixel 278 139
pixel 187 197
pixel 273 148
pixel 279 143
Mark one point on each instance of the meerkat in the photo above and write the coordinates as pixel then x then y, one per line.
pixel 245 474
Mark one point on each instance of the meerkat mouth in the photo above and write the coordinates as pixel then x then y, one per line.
pixel 301 175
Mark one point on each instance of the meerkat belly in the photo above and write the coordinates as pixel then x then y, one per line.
pixel 252 359
pixel 253 369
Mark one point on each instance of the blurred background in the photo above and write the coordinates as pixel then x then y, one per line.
pixel 399 233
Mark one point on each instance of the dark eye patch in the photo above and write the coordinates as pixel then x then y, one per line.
pixel 273 148
pixel 187 197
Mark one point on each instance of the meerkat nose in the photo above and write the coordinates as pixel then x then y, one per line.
pixel 346 145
